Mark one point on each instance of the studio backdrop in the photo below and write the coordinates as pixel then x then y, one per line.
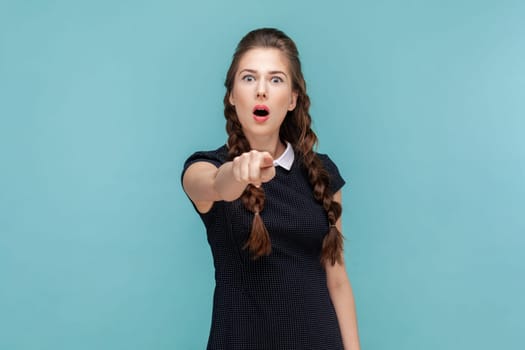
pixel 420 103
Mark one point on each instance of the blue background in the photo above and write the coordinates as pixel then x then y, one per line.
pixel 420 103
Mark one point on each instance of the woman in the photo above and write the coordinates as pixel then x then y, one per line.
pixel 271 207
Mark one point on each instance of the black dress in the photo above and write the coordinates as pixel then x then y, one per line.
pixel 280 301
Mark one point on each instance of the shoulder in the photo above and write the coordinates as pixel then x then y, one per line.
pixel 328 163
pixel 336 180
pixel 217 157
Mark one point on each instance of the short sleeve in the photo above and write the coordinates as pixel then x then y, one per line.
pixel 216 157
pixel 336 180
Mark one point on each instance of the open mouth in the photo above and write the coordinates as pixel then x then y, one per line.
pixel 261 111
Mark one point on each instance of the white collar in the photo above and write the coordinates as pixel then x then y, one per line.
pixel 286 159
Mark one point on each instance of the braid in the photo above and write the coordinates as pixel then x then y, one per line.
pixel 305 142
pixel 253 198
pixel 332 248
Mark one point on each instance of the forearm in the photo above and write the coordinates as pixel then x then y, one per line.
pixel 343 300
pixel 226 185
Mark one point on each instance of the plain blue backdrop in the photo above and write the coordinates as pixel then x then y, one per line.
pixel 420 103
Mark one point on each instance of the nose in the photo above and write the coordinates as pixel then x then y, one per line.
pixel 261 90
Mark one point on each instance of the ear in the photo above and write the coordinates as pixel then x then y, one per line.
pixel 230 98
pixel 293 101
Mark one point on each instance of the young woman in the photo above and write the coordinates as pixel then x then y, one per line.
pixel 272 210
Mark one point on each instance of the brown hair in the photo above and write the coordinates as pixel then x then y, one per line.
pixel 296 129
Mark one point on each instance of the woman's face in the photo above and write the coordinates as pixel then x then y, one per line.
pixel 262 92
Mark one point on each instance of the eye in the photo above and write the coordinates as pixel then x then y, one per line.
pixel 276 79
pixel 248 78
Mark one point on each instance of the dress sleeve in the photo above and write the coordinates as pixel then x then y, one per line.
pixel 336 180
pixel 216 157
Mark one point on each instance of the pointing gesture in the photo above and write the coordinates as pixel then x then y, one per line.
pixel 253 167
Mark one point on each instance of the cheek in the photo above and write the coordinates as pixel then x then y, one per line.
pixel 285 100
pixel 240 97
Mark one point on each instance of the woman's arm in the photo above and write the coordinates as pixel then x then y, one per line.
pixel 205 183
pixel 342 297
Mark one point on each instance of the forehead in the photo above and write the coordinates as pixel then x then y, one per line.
pixel 264 59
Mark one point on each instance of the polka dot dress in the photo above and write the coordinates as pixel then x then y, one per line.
pixel 279 301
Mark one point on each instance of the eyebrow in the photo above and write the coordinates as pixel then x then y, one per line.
pixel 270 72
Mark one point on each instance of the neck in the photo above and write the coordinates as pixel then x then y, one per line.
pixel 273 146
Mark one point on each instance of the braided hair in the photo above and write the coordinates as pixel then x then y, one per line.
pixel 296 129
